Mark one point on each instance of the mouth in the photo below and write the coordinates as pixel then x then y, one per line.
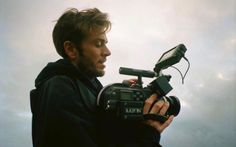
pixel 102 63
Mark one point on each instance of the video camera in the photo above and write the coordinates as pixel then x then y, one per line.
pixel 127 102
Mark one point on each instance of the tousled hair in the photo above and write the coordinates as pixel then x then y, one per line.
pixel 75 25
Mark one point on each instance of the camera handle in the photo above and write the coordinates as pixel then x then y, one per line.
pixel 140 82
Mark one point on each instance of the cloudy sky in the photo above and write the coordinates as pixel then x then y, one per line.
pixel 142 30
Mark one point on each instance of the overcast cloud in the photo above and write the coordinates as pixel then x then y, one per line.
pixel 142 30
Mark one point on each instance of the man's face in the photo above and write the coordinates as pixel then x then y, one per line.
pixel 94 53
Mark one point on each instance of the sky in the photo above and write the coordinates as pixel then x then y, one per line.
pixel 141 31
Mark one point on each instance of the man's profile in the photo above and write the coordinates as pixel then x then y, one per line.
pixel 64 101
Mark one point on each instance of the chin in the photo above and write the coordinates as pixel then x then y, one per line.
pixel 100 73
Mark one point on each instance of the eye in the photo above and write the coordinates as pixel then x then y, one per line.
pixel 99 44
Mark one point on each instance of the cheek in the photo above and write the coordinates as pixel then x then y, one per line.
pixel 93 56
pixel 90 61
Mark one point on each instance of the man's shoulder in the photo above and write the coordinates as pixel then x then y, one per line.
pixel 59 78
pixel 62 80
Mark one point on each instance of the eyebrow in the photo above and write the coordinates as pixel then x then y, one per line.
pixel 103 40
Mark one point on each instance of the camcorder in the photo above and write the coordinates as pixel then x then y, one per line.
pixel 126 101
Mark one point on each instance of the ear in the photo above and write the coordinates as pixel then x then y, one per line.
pixel 70 50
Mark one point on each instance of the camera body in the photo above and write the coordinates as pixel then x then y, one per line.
pixel 127 102
pixel 123 101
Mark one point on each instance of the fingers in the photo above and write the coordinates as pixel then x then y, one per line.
pixel 165 124
pixel 157 107
pixel 160 107
pixel 148 103
pixel 164 108
pixel 130 82
pixel 159 126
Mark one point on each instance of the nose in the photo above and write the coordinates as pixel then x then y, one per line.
pixel 106 51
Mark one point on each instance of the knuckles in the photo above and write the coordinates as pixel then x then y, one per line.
pixel 149 102
pixel 166 104
pixel 158 105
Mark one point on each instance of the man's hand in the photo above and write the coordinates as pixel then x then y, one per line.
pixel 159 108
pixel 130 82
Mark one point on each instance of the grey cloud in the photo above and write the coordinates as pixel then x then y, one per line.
pixel 210 120
pixel 140 33
pixel 15 129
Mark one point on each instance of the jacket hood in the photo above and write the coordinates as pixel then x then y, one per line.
pixel 65 67
pixel 60 67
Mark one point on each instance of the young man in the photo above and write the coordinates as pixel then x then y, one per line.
pixel 64 101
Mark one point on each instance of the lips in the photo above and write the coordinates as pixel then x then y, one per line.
pixel 101 62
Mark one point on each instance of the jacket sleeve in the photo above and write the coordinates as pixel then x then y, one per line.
pixel 64 121
pixel 145 136
pixel 126 134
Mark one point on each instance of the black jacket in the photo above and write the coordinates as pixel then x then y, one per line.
pixel 65 113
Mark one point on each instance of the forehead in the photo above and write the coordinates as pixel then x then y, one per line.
pixel 97 34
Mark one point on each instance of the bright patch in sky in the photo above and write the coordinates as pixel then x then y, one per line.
pixel 142 30
pixel 185 104
pixel 220 76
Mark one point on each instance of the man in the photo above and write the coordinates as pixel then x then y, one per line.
pixel 64 101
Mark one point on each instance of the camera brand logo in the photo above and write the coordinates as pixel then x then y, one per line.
pixel 132 110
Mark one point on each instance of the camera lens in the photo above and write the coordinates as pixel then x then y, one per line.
pixel 174 107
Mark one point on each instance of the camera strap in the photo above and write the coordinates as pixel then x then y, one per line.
pixel 156 117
